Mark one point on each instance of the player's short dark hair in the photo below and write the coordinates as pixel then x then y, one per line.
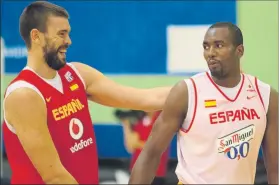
pixel 235 31
pixel 35 16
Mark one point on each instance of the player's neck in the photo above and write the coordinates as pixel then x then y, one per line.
pixel 38 64
pixel 229 82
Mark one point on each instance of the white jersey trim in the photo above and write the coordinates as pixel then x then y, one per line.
pixel 10 89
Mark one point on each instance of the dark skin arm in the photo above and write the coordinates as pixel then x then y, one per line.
pixel 270 140
pixel 166 126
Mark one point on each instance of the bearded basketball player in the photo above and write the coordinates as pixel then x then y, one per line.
pixel 47 129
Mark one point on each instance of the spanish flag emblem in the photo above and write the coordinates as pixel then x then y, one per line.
pixel 74 87
pixel 210 103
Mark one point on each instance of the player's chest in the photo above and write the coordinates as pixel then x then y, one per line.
pixel 217 109
pixel 64 105
pixel 219 116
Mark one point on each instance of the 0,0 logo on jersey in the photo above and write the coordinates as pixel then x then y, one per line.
pixel 236 145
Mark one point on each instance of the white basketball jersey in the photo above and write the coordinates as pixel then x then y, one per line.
pixel 220 138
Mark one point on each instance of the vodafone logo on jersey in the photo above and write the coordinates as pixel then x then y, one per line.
pixel 76 130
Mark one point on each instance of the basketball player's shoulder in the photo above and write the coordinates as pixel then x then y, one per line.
pixel 193 81
pixel 197 77
pixel 257 82
pixel 74 65
pixel 77 64
pixel 19 77
pixel 200 75
pixel 25 95
pixel 82 68
pixel 20 81
pixel 262 88
pixel 86 72
pixel 20 85
pixel 22 88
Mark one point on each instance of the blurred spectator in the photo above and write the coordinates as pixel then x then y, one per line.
pixel 137 127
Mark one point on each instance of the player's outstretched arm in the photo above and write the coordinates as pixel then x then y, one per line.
pixel 26 112
pixel 270 140
pixel 107 92
pixel 166 126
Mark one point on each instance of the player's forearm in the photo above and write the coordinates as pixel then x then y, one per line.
pixel 145 169
pixel 63 177
pixel 62 180
pixel 156 97
pixel 272 177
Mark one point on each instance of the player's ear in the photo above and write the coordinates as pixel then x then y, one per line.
pixel 240 50
pixel 36 36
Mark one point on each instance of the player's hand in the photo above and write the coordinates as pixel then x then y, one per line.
pixel 125 121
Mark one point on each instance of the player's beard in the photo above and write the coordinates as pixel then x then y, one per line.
pixel 219 73
pixel 51 55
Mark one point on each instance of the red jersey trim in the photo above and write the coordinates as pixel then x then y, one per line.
pixel 229 99
pixel 259 93
pixel 195 108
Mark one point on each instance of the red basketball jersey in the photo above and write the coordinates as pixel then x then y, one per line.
pixel 69 124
